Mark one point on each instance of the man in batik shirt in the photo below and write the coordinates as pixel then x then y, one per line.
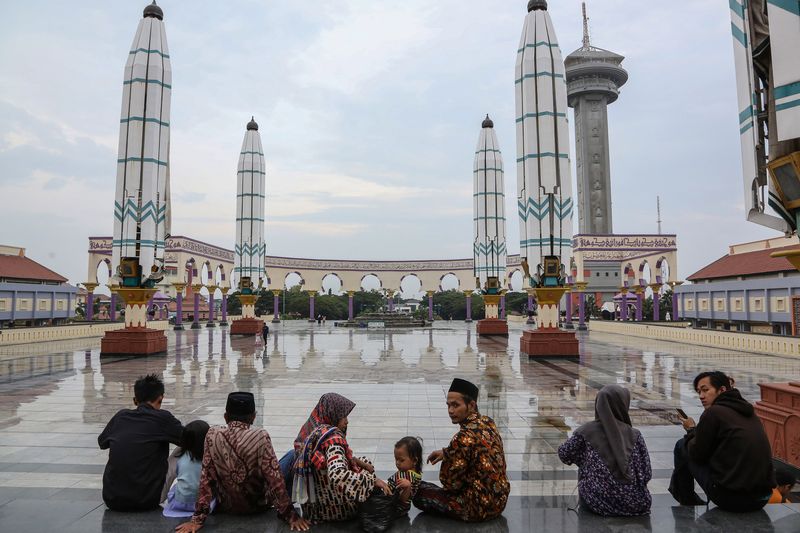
pixel 240 469
pixel 473 474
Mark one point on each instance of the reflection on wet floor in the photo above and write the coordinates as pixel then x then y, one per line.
pixel 56 397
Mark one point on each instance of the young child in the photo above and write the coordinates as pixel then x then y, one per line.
pixel 408 459
pixel 185 465
pixel 138 442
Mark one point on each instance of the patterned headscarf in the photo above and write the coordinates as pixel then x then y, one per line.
pixel 330 408
pixel 311 453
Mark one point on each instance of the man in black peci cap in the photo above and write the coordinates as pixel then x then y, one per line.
pixel 240 467
pixel 473 474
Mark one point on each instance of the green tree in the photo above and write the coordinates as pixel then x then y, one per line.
pixel 516 303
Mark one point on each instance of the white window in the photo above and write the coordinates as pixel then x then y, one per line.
pixel 2 305
pixel 737 304
pixel 757 304
pixel 42 305
pixel 22 305
pixel 780 305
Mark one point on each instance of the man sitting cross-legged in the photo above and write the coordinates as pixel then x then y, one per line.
pixel 241 470
pixel 474 483
pixel 138 440
pixel 727 451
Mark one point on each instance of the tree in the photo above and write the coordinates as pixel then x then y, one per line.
pixel 517 303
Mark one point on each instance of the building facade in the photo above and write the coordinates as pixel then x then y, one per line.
pixel 32 294
pixel 746 290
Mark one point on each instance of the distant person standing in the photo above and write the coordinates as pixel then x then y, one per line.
pixel 138 442
pixel 265 333
pixel 319 319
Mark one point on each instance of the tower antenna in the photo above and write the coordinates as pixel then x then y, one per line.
pixel 658 210
pixel 586 44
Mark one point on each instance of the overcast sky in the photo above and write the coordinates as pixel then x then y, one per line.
pixel 369 111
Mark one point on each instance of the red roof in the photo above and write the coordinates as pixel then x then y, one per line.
pixel 744 264
pixel 24 268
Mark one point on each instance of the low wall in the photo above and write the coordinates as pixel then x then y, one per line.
pixel 745 342
pixel 59 333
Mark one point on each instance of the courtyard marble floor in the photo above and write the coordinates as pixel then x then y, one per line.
pixel 55 398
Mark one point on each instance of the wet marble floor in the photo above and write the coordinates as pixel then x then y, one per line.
pixel 55 398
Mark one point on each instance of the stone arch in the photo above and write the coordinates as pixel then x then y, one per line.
pixel 410 289
pixel 628 276
pixel 446 285
pixel 645 273
pixel 219 275
pixel 296 279
pixel 663 270
pixel 372 276
pixel 206 273
pixel 516 281
pixel 330 286
pixel 191 274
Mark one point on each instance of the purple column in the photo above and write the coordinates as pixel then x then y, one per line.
pixel 656 310
pixel 89 306
pixel 178 310
pixel 639 306
pixel 391 303
pixel 113 311
pixel 224 310
pixel 469 308
pixel 581 310
pixel 430 307
pixel 674 305
pixel 276 300
pixel 568 315
pixel 196 321
pixel 349 306
pixel 311 307
pixel 502 307
pixel 623 309
pixel 210 309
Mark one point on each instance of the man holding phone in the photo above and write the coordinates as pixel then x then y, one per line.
pixel 726 452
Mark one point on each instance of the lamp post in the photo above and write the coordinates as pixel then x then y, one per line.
pixel 276 296
pixel 468 295
pixel 430 305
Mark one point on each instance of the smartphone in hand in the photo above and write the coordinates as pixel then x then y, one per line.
pixel 681 413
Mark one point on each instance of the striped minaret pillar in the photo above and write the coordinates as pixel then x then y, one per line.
pixel 249 248
pixel 489 247
pixel 544 184
pixel 142 200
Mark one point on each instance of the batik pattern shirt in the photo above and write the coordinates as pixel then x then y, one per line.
pixel 474 470
pixel 599 488
pixel 338 490
pixel 241 470
pixel 414 477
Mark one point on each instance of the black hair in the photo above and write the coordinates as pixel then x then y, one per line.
pixel 148 388
pixel 414 447
pixel 193 439
pixel 784 477
pixel 467 398
pixel 718 379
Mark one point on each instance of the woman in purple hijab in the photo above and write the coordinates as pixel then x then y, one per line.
pixel 612 458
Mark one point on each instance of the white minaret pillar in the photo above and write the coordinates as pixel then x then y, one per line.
pixel 544 183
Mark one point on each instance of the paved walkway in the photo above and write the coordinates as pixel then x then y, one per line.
pixel 55 398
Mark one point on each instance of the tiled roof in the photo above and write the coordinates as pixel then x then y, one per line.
pixel 744 264
pixel 24 268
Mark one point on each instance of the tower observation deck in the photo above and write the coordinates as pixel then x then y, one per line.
pixel 593 76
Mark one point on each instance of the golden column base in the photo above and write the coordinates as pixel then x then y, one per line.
pixel 548 299
pixel 248 305
pixel 492 305
pixel 136 301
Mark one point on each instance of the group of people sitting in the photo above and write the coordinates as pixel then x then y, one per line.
pixel 726 452
pixel 234 467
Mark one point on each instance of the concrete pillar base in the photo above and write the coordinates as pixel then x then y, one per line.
pixel 568 325
pixel 247 326
pixel 276 320
pixel 549 342
pixel 492 326
pixel 582 328
pixel 211 324
pixel 133 341
pixel 468 320
pixel 179 327
pixel 223 324
pixel 196 325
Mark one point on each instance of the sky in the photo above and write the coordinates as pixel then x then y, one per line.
pixel 369 112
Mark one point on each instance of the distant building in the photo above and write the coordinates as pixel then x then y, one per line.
pixel 32 294
pixel 746 290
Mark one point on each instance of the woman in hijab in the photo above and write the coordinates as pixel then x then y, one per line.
pixel 328 481
pixel 612 458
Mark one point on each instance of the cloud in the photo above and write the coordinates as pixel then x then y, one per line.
pixel 364 40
